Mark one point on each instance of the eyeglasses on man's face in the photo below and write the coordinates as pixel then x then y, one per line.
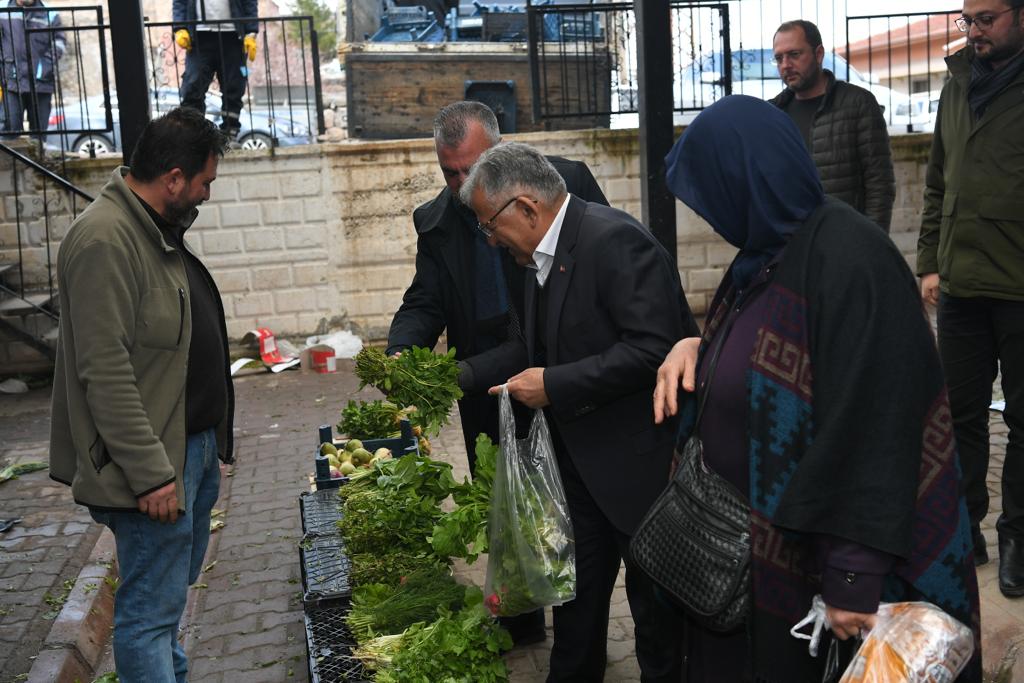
pixel 793 55
pixel 487 227
pixel 982 21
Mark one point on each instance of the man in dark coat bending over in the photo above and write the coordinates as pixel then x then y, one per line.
pixel 465 286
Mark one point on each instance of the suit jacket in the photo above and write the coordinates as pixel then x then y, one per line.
pixel 615 309
pixel 441 294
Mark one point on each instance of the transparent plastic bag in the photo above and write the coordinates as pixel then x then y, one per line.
pixel 911 642
pixel 531 560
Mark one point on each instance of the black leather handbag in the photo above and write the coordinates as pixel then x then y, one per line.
pixel 694 542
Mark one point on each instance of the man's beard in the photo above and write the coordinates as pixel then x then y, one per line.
pixel 807 82
pixel 177 213
pixel 1001 53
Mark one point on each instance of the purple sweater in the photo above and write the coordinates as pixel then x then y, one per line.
pixel 852 574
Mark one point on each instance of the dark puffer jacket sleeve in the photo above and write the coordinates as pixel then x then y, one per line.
pixel 852 153
pixel 876 161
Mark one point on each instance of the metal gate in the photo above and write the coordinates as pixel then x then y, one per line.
pixel 574 47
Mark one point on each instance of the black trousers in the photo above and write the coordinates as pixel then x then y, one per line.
pixel 579 652
pixel 216 53
pixel 16 104
pixel 979 337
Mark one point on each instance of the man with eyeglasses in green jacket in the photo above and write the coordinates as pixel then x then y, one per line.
pixel 971 259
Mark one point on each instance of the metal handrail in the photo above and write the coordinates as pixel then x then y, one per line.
pixel 46 172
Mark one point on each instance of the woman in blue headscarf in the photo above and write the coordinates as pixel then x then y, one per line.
pixel 827 408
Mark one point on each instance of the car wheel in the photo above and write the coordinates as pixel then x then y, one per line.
pixel 256 141
pixel 92 146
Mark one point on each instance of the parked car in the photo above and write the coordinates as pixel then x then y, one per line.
pixel 918 114
pixel 261 129
pixel 754 73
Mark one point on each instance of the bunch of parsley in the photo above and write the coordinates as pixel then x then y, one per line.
pixel 388 568
pixel 418 377
pixel 370 420
pixel 457 646
pixel 463 531
pixel 393 507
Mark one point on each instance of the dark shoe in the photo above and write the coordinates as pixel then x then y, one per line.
pixel 525 629
pixel 1011 566
pixel 980 548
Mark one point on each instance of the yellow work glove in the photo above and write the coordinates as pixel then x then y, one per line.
pixel 249 46
pixel 182 38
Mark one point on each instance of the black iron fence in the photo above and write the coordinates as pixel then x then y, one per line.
pixel 56 86
pixel 904 55
pixel 574 48
pixel 37 209
pixel 55 89
pixel 724 47
pixel 280 101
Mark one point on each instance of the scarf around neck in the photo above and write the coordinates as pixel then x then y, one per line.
pixel 986 83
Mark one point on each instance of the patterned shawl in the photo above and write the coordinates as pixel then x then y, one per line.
pixel 850 436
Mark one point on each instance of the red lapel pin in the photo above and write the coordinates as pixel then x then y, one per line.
pixel 561 269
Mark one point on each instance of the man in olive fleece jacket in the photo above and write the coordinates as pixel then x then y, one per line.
pixel 971 260
pixel 842 124
pixel 142 399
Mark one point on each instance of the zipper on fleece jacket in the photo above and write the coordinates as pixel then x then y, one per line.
pixel 181 315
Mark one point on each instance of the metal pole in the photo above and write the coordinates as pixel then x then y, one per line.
pixel 129 48
pixel 654 45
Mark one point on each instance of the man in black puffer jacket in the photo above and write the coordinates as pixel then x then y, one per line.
pixel 842 124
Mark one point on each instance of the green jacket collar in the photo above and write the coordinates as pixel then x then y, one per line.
pixel 123 195
pixel 959 65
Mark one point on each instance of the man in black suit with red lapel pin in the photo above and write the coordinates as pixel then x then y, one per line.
pixel 602 308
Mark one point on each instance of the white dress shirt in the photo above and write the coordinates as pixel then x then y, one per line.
pixel 544 254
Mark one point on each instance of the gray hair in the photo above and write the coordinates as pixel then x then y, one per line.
pixel 510 169
pixel 452 122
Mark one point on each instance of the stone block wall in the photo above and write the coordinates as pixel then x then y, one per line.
pixel 311 236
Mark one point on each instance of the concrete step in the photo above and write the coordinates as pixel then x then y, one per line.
pixel 15 306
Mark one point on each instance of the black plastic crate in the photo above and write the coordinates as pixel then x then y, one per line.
pixel 321 512
pixel 326 570
pixel 399 446
pixel 329 646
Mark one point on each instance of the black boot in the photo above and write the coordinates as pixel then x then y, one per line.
pixel 980 549
pixel 1011 566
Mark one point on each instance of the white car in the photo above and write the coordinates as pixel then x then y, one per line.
pixel 755 73
pixel 916 115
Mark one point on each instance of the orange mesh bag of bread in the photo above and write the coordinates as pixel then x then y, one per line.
pixel 912 642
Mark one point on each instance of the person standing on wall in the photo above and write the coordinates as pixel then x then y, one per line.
pixel 970 257
pixel 219 48
pixel 31 45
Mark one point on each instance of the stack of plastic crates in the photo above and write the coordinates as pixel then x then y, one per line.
pixel 327 590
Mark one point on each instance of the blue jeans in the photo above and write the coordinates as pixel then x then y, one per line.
pixel 157 563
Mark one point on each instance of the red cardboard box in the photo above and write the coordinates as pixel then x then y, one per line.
pixel 322 360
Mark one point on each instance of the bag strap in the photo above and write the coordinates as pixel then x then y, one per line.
pixel 705 388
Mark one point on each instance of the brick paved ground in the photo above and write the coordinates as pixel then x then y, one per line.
pixel 45 549
pixel 247 623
